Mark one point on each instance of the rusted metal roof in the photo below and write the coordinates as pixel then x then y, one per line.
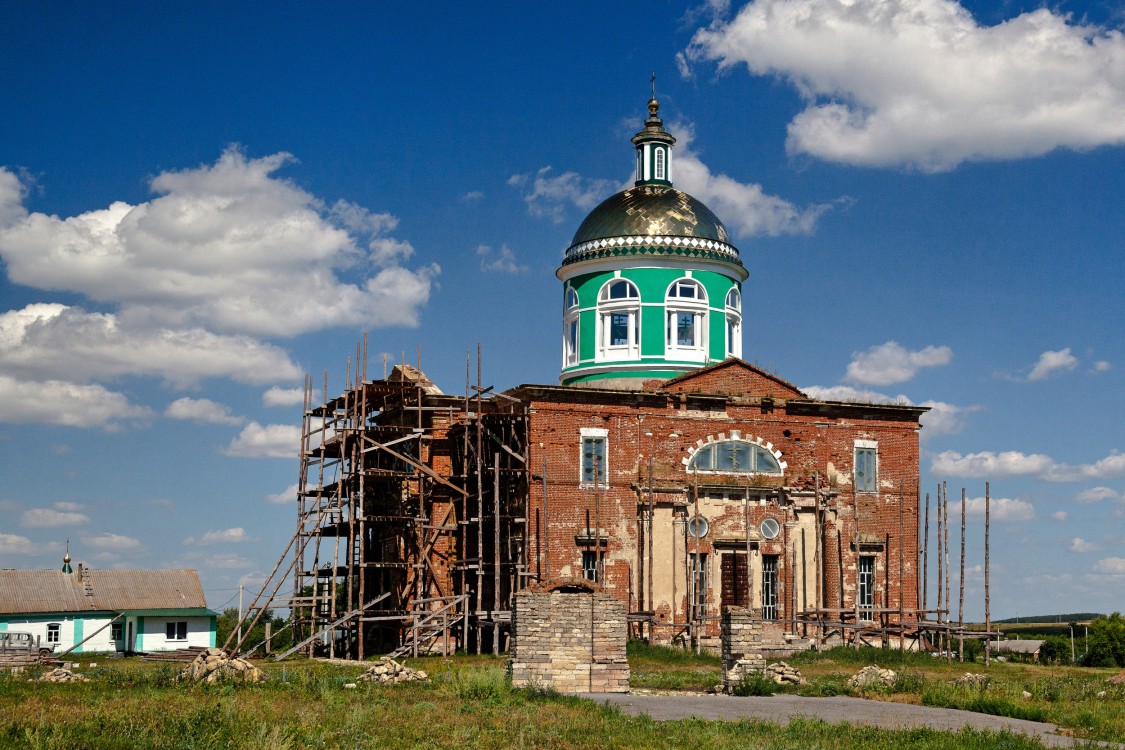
pixel 34 591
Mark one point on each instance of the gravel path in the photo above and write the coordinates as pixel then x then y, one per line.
pixel 780 708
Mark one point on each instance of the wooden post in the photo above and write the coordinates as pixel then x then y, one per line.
pixel 940 571
pixel 987 610
pixel 926 557
pixel 546 526
pixel 496 553
pixel 901 570
pixel 961 599
pixel 948 603
pixel 651 532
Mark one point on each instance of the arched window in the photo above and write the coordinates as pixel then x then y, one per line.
pixel 571 298
pixel 570 328
pixel 734 323
pixel 619 321
pixel 736 456
pixel 685 308
pixel 659 171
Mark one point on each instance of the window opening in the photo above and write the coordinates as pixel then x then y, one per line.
pixel 176 631
pixel 660 164
pixel 593 461
pixel 54 632
pixel 591 566
pixel 866 479
pixel 686 315
pixel 699 586
pixel 735 580
pixel 116 631
pixel 619 320
pixel 571 299
pixel 735 457
pixel 866 587
pixel 769 587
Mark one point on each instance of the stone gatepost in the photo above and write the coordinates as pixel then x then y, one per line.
pixel 569 638
pixel 742 644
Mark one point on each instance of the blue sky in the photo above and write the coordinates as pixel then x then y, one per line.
pixel 199 205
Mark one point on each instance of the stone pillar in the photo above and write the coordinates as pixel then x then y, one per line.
pixel 742 644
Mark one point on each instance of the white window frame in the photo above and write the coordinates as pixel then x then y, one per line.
pixel 593 565
pixel 117 631
pixel 865 591
pixel 660 159
pixel 172 629
pixel 607 309
pixel 675 305
pixel 771 579
pixel 734 323
pixel 872 484
pixel 593 434
pixel 572 330
pixel 54 632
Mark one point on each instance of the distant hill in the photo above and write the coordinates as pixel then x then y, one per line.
pixel 1075 617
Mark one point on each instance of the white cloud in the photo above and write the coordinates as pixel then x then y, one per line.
pixel 1096 495
pixel 1110 467
pixel 46 518
pixel 1078 544
pixel 110 542
pixel 945 419
pixel 852 395
pixel 228 247
pixel 1060 515
pixel 268 441
pixel 988 464
pixel 890 363
pixel 201 410
pixel 12 544
pixel 922 83
pixel 44 341
pixel 1000 509
pixel 1110 566
pixel 1101 366
pixel 283 397
pixel 472 196
pixel 221 536
pixel 72 507
pixel 71 405
pixel 287 496
pixel 499 261
pixel 550 195
pixel 1052 363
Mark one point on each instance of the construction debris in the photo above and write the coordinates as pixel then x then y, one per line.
pixel 216 665
pixel 387 670
pixel 784 674
pixel 62 675
pixel 974 680
pixel 872 676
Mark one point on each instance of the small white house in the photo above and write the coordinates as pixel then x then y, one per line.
pixel 128 611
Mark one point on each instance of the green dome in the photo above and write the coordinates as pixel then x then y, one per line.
pixel 653 211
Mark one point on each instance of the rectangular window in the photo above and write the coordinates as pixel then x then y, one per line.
pixel 769 587
pixel 698 586
pixel 572 342
pixel 591 567
pixel 115 632
pixel 619 328
pixel 866 477
pixel 176 631
pixel 54 632
pixel 866 587
pixel 594 468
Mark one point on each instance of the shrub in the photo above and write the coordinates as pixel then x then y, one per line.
pixel 755 684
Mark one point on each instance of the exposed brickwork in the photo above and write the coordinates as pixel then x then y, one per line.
pixel 571 642
pixel 742 644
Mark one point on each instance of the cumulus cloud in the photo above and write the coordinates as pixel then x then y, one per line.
pixel 472 196
pixel 1060 515
pixel 499 261
pixel 988 464
pixel 1052 363
pixel 287 496
pixel 941 419
pixel 1001 509
pixel 47 518
pixel 283 397
pixel 1110 566
pixel 202 410
pixel 71 405
pixel 890 363
pixel 221 536
pixel 228 247
pixel 1096 495
pixel 1101 366
pixel 266 441
pixel 13 544
pixel 549 196
pixel 110 542
pixel 921 83
pixel 72 507
pixel 1078 544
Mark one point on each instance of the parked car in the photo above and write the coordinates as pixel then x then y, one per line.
pixel 12 641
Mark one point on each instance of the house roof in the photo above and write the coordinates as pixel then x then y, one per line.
pixel 41 591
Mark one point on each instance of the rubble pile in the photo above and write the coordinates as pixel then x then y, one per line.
pixel 784 674
pixel 1117 679
pixel 62 675
pixel 973 680
pixel 387 670
pixel 216 665
pixel 872 676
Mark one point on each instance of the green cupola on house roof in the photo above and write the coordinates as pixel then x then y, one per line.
pixel 652 286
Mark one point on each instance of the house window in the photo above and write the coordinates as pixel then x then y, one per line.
pixel 619 321
pixel 735 457
pixel 769 587
pixel 595 467
pixel 176 631
pixel 734 323
pixel 698 586
pixel 54 632
pixel 686 315
pixel 116 632
pixel 591 566
pixel 866 587
pixel 866 470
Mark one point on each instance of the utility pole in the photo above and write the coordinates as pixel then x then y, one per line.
pixel 240 587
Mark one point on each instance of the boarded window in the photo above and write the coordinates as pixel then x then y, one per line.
pixel 736 580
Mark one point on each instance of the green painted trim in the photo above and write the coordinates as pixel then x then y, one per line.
pixel 174 612
pixel 646 375
pixel 214 627
pixel 3 624
pixel 139 635
pixel 79 630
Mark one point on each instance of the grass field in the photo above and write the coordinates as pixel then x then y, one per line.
pixel 469 703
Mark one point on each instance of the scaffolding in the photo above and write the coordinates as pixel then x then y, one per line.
pixel 411 519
